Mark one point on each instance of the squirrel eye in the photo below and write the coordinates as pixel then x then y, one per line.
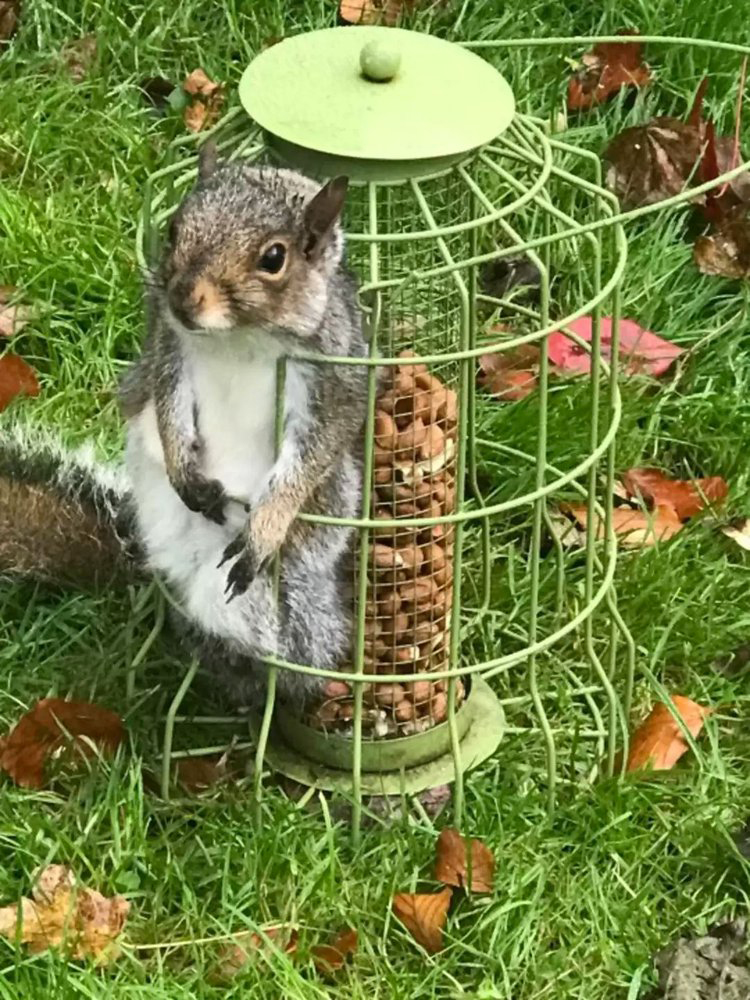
pixel 273 258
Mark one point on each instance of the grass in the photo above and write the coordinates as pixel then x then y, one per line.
pixel 583 897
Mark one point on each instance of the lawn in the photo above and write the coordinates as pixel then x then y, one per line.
pixel 584 896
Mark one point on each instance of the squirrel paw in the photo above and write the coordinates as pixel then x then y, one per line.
pixel 245 569
pixel 205 496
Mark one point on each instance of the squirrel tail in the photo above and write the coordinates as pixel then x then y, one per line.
pixel 64 517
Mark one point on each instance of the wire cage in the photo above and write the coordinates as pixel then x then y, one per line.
pixel 464 588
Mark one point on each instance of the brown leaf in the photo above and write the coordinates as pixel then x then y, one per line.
pixel 329 957
pixel 726 251
pixel 45 729
pixel 236 954
pixel 83 922
pixel 685 495
pixel 13 317
pixel 652 162
pixel 372 11
pixel 208 98
pixel 451 863
pixel 10 11
pixel 78 56
pixel 510 375
pixel 739 532
pixel 634 528
pixel 658 742
pixel 606 69
pixel 17 378
pixel 424 915
pixel 196 774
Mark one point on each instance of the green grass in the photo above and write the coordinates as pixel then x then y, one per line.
pixel 583 898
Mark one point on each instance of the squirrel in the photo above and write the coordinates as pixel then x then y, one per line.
pixel 252 271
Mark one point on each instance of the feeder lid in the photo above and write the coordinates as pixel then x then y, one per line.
pixel 375 93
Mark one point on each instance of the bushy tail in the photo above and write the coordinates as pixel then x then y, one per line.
pixel 64 518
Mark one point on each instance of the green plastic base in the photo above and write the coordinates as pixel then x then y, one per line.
pixel 484 727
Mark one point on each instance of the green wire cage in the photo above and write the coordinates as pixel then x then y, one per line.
pixel 463 589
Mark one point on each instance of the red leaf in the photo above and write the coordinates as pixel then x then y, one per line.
pixel 658 742
pixel 44 729
pixel 17 378
pixel 684 495
pixel 634 528
pixel 424 915
pixel 451 864
pixel 510 375
pixel 641 351
pixel 607 68
pixel 329 957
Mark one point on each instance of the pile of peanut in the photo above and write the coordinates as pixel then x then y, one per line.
pixel 410 569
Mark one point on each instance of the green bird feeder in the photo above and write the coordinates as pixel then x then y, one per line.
pixel 465 585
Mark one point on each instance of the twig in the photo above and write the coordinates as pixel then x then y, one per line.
pixel 263 929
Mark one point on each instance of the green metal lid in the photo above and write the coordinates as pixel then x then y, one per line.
pixel 376 94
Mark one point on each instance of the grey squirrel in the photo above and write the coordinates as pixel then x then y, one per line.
pixel 252 271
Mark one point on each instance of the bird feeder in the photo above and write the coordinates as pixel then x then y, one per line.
pixel 464 589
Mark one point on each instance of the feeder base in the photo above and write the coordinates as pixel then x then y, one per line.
pixel 486 725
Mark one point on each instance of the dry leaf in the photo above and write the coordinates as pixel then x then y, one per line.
pixel 649 163
pixel 62 914
pixel 451 863
pixel 10 11
pixel 208 98
pixel 606 69
pixel 372 11
pixel 424 915
pixel 658 742
pixel 78 56
pixel 726 251
pixel 634 528
pixel 640 351
pixel 510 375
pixel 17 378
pixel 12 317
pixel 329 957
pixel 236 954
pixel 739 533
pixel 567 532
pixel 685 495
pixel 196 774
pixel 46 728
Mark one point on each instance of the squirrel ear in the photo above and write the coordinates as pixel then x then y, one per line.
pixel 322 214
pixel 208 159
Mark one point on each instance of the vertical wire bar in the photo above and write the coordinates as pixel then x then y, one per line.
pixel 265 726
pixel 465 375
pixel 364 533
pixel 166 761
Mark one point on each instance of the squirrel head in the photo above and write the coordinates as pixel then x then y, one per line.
pixel 252 247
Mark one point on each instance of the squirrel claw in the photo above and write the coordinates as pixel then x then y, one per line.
pixel 233 549
pixel 239 578
pixel 206 497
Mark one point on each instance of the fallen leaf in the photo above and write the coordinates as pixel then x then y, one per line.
pixel 634 528
pixel 196 774
pixel 451 863
pixel 710 966
pixel 658 742
pixel 641 352
pixel 78 56
pixel 605 70
pixel 685 495
pixel 208 98
pixel 13 317
pixel 45 729
pixel 329 957
pixel 648 163
pixel 739 532
pixel 237 954
pixel 62 914
pixel 568 533
pixel 726 251
pixel 510 375
pixel 372 11
pixel 17 378
pixel 10 11
pixel 424 915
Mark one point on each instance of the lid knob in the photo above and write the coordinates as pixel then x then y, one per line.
pixel 379 61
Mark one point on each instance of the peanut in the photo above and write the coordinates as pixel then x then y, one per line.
pixel 385 429
pixel 388 694
pixel 404 711
pixel 337 689
pixel 385 557
pixel 439 707
pixel 433 443
pixel 420 691
pixel 411 438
